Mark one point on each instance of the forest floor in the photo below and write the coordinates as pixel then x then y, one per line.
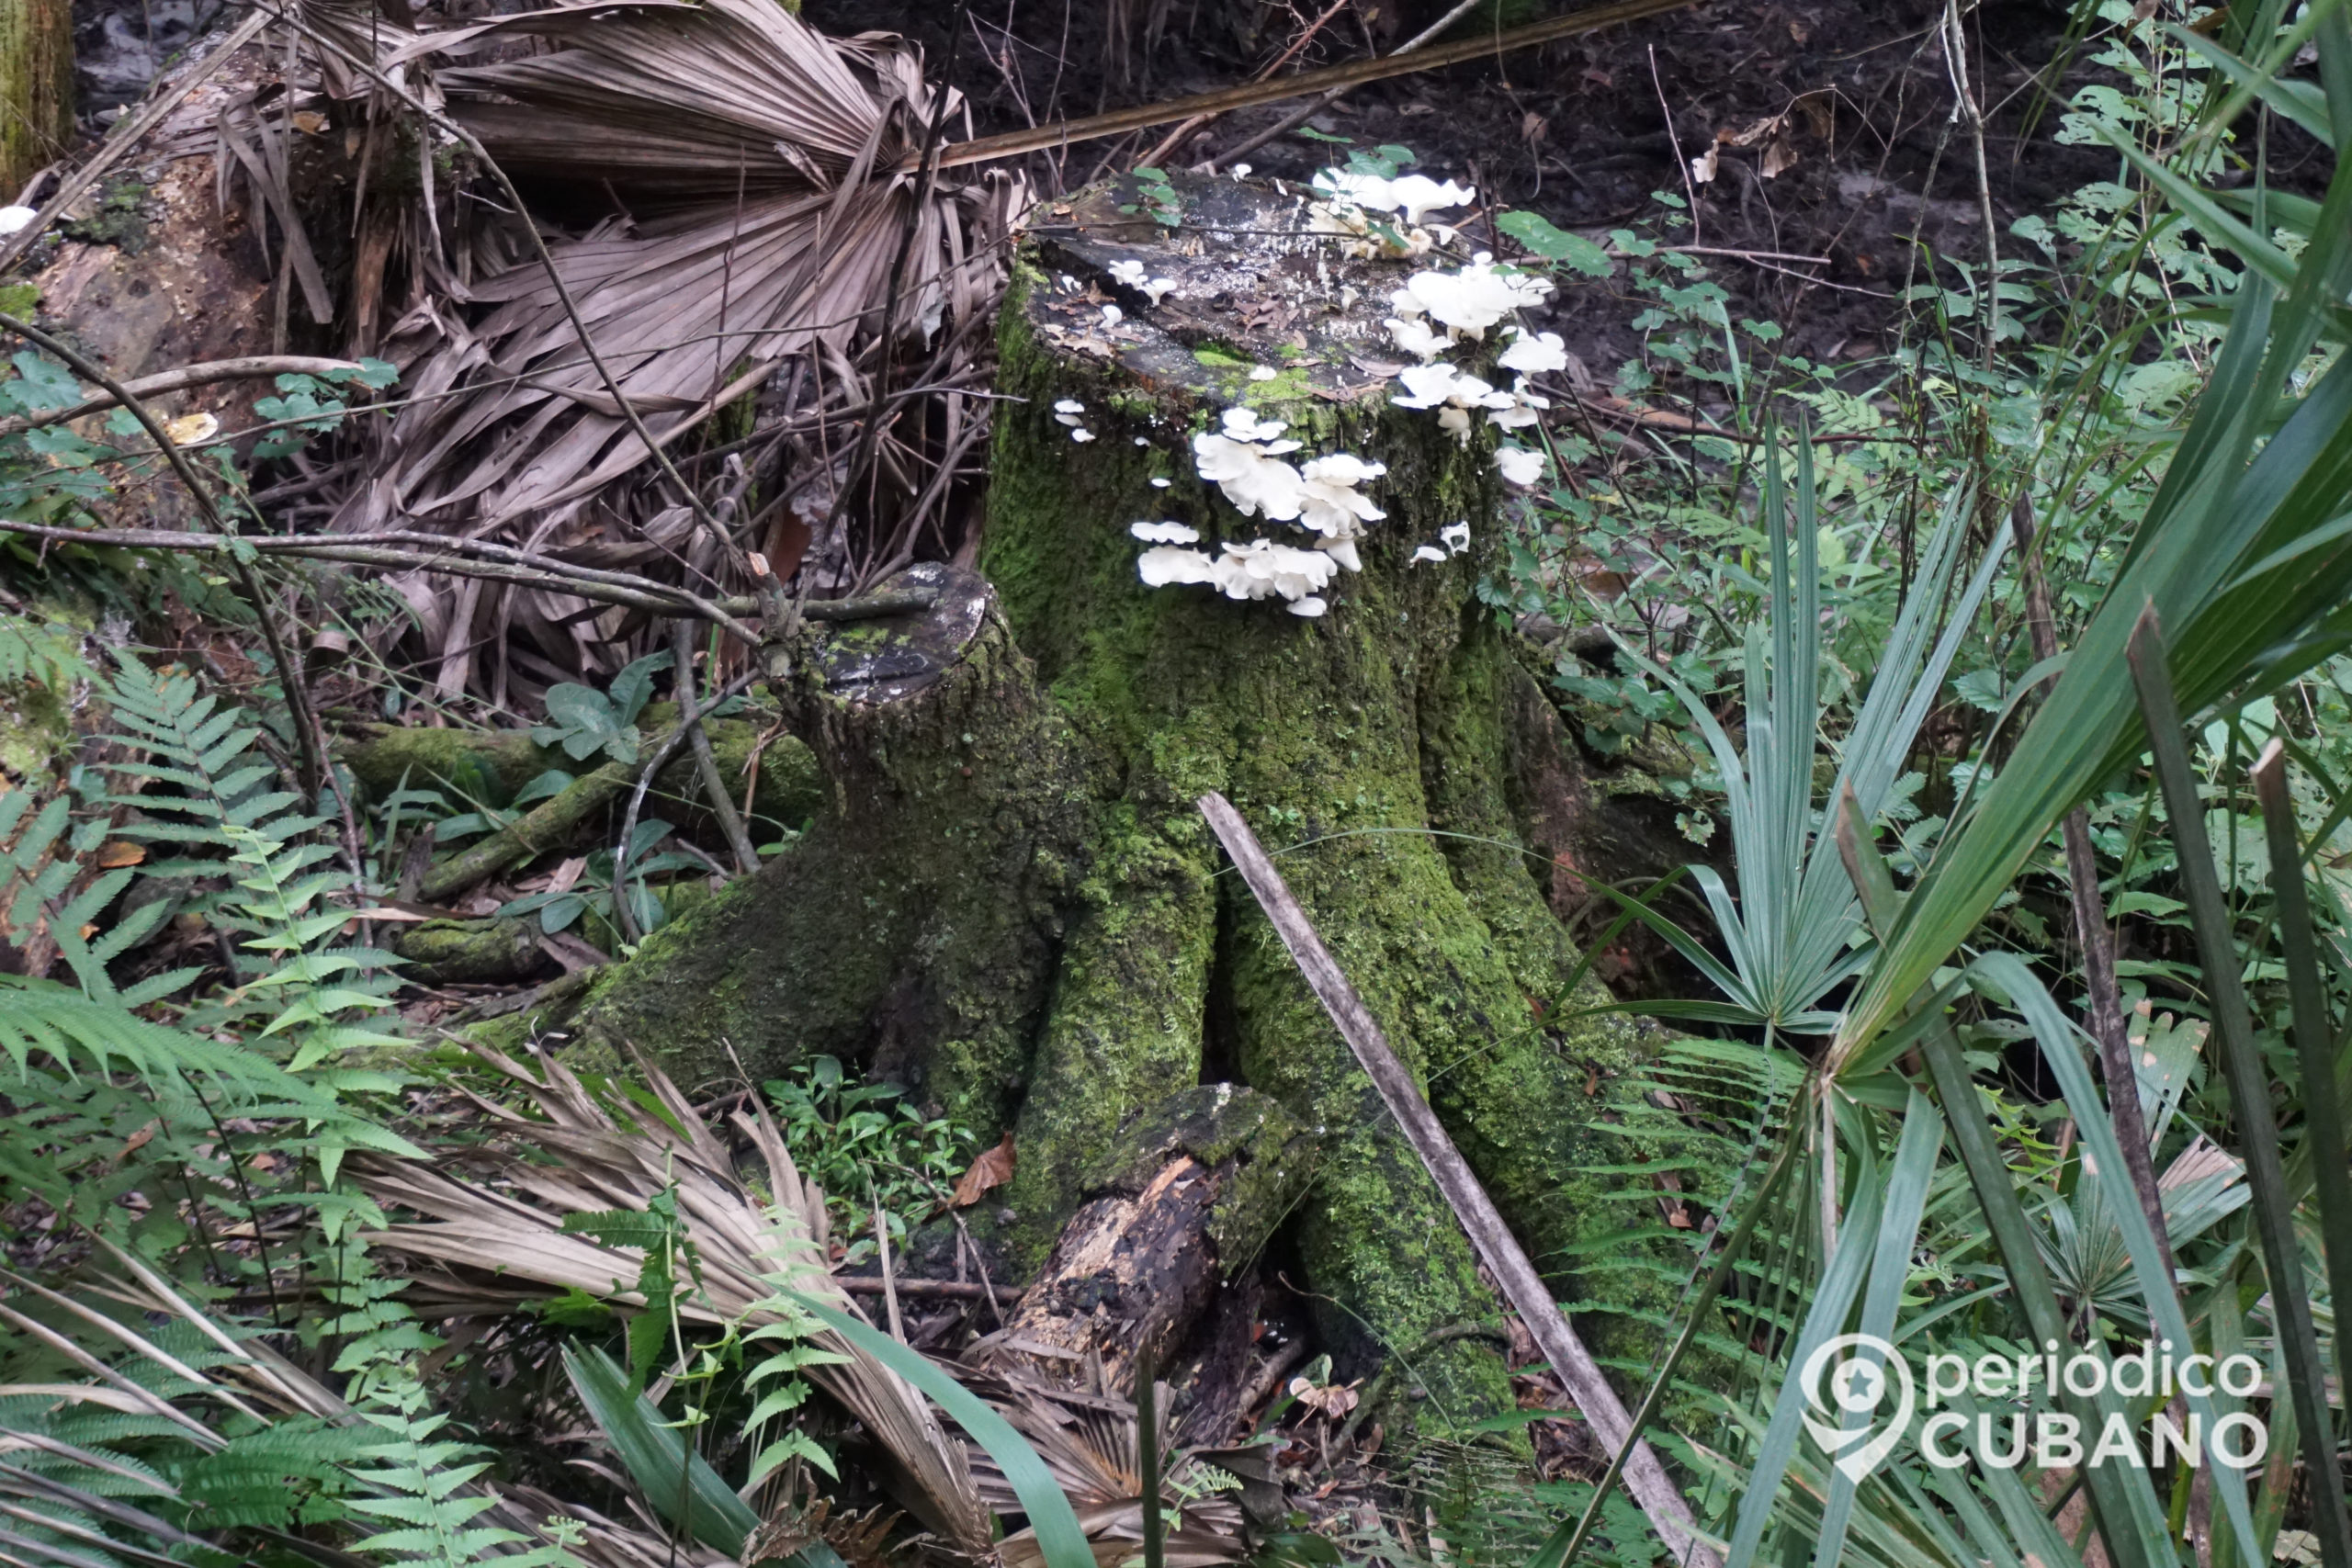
pixel 1838 176
pixel 1851 102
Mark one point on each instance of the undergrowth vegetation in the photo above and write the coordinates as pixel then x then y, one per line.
pixel 1874 631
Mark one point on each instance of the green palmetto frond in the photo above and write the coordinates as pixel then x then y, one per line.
pixel 1793 931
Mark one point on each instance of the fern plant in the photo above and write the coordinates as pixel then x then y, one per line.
pixel 117 1119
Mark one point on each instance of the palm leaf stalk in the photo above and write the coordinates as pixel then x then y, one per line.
pixel 2273 1209
pixel 2325 1143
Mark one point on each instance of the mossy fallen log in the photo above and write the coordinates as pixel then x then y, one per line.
pixel 453 953
pixel 1011 904
pixel 490 767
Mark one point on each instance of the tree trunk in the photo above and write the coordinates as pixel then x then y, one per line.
pixel 1016 907
pixel 36 88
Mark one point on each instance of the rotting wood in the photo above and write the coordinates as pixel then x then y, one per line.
pixel 1498 1249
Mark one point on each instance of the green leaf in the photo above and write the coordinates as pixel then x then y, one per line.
pixel 1539 235
pixel 1059 1538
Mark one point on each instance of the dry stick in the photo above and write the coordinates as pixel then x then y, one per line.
pixel 1956 63
pixel 289 674
pixel 506 564
pixel 182 379
pixel 1297 117
pixel 732 551
pixel 1355 73
pixel 747 858
pixel 2090 925
pixel 1496 1247
pixel 125 136
pixel 949 1290
pixel 1182 134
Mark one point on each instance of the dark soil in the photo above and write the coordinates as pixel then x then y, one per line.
pixel 1883 184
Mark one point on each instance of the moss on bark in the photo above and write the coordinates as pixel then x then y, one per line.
pixel 36 87
pixel 490 767
pixel 914 928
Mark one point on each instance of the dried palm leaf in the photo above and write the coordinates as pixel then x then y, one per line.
pixel 756 139
pixel 242 1375
pixel 497 1242
pixel 1090 1443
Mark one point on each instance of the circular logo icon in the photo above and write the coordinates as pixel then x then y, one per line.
pixel 1845 1382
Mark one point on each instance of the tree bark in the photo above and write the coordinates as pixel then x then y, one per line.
pixel 1013 906
pixel 36 88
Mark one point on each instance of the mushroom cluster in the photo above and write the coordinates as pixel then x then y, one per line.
pixel 1246 456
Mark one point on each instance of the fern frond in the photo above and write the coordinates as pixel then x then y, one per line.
pixel 46 658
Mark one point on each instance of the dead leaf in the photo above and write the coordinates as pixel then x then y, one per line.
pixel 191 428
pixel 1702 167
pixel 309 122
pixel 119 852
pixel 1334 1400
pixel 1779 156
pixel 1598 77
pixel 1533 128
pixel 566 875
pixel 137 1141
pixel 993 1168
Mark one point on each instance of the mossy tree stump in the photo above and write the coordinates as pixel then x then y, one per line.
pixel 1016 905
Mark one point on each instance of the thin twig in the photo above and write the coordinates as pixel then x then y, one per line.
pixel 1964 105
pixel 690 713
pixel 1299 117
pixel 623 916
pixel 180 379
pixel 505 563
pixel 1185 132
pixel 1646 1478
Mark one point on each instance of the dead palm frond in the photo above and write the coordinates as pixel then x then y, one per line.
pixel 752 159
pixel 186 1393
pixel 1089 1441
pixel 503 1243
